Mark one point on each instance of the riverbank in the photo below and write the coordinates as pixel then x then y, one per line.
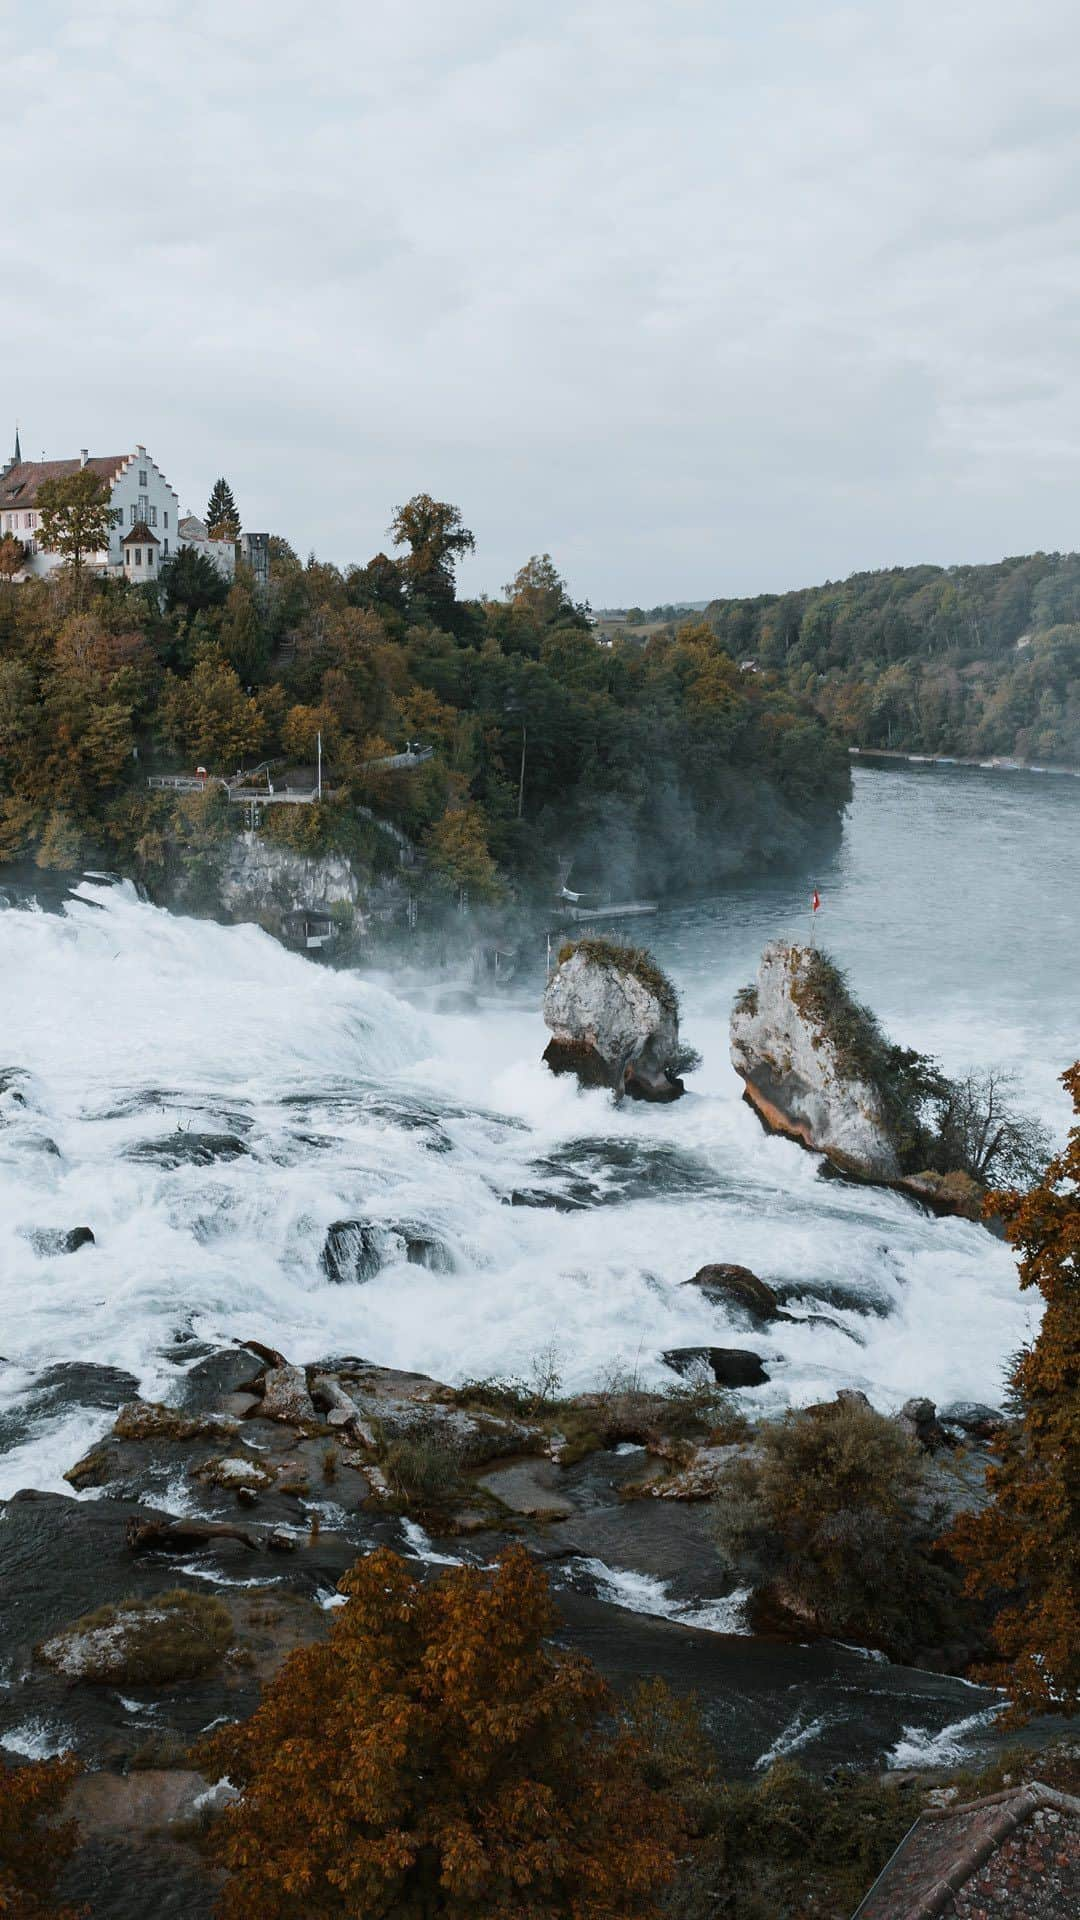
pixel 996 764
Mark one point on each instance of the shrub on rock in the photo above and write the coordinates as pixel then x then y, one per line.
pixel 175 1636
pixel 829 1513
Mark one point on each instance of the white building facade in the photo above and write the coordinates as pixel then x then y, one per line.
pixel 139 494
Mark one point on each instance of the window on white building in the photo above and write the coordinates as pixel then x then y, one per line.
pixel 142 479
pixel 166 519
pixel 166 543
pixel 28 520
pixel 153 516
pixel 138 556
pixel 134 514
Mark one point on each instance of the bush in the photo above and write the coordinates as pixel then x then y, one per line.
pixel 175 1636
pixel 423 1470
pixel 34 1844
pixel 784 1844
pixel 826 1510
pixel 437 1755
pixel 619 959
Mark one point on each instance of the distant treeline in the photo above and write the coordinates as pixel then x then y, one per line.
pixel 965 660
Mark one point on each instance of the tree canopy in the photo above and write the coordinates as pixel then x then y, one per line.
pixel 437 1756
pixel 74 515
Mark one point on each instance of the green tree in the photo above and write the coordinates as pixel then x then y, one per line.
pixel 436 537
pixel 74 517
pixel 189 579
pixel 222 518
pixel 436 1756
pixel 242 638
pixel 539 589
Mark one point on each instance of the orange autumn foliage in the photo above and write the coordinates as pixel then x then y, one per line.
pixel 1026 1544
pixel 437 1756
pixel 33 1846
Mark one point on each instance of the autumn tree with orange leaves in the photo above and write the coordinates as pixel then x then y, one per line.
pixel 34 1845
pixel 436 1756
pixel 1026 1543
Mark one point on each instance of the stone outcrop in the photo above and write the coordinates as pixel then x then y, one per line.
pixel 259 877
pixel 796 1077
pixel 614 1022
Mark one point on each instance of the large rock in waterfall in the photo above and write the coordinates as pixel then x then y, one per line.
pixel 614 1020
pixel 795 1044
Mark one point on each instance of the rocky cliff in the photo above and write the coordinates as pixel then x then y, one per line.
pixel 614 1021
pixel 797 1073
pixel 259 877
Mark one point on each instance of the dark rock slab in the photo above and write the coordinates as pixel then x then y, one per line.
pixel 739 1291
pixel 188 1149
pixel 729 1366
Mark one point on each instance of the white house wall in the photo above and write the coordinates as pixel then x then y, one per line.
pixel 155 502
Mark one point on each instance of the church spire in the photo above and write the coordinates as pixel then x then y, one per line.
pixel 18 449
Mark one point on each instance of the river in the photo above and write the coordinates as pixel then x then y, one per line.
pixel 210 1105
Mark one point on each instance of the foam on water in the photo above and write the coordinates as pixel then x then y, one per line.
pixel 210 1104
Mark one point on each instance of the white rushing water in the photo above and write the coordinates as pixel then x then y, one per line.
pixel 326 1096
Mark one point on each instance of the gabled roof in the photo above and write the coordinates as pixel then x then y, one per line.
pixel 140 535
pixel 956 1855
pixel 19 485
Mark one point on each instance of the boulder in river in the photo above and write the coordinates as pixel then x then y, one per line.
pixel 729 1366
pixel 791 1045
pixel 740 1291
pixel 614 1020
pixel 48 1241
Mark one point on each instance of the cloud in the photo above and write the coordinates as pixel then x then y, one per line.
pixel 698 297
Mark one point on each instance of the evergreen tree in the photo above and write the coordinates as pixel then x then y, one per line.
pixel 222 518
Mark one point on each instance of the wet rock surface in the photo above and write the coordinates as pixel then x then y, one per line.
pixel 624 1532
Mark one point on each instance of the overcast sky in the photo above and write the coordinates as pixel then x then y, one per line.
pixel 701 298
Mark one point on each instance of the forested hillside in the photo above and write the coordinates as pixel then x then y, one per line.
pixel 661 767
pixel 964 660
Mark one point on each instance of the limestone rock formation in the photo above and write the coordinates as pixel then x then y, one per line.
pixel 614 1021
pixel 797 1077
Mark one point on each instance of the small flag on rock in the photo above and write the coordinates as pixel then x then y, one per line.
pixel 816 901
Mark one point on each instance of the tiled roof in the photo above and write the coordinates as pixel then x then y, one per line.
pixel 140 534
pixel 1015 1854
pixel 19 485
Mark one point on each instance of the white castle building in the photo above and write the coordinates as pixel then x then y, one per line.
pixel 146 529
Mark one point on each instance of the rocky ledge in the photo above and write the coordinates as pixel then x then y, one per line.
pixel 614 1020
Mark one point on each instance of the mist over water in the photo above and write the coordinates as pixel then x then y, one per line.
pixel 210 1105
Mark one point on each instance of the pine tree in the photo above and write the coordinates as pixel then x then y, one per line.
pixel 222 518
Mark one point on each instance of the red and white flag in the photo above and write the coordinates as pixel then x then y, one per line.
pixel 815 901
